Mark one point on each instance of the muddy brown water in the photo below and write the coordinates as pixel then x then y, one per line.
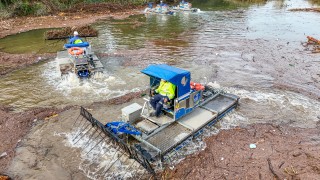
pixel 254 52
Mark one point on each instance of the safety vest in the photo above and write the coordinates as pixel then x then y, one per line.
pixel 166 89
pixel 78 41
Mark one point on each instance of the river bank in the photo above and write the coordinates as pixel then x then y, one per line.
pixel 258 68
pixel 14 126
pixel 11 62
pixel 281 152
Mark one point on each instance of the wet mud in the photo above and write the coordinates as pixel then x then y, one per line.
pixel 281 152
pixel 14 126
pixel 37 150
pixel 44 151
pixel 10 62
pixel 82 16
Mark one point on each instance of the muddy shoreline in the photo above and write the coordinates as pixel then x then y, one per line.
pixel 14 126
pixel 10 62
pixel 282 151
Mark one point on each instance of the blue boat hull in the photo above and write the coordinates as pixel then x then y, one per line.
pixel 84 44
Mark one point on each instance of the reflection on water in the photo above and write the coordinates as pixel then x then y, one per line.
pixel 206 43
pixel 211 5
pixel 214 44
pixel 30 42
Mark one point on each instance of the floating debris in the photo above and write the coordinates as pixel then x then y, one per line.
pixel 306 9
pixel 64 33
pixel 315 43
pixel 312 40
pixel 4 177
pixel 253 146
pixel 3 155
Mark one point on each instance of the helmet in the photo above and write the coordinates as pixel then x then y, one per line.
pixel 76 33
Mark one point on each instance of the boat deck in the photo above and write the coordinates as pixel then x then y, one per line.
pixel 175 133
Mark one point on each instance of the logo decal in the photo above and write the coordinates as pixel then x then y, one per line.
pixel 196 97
pixel 184 81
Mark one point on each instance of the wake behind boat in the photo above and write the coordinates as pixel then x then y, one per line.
pixel 185 6
pixel 163 8
pixel 79 59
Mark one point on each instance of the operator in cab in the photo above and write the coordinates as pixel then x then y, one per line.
pixel 75 39
pixel 165 92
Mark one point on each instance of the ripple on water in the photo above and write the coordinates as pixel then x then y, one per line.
pixel 99 87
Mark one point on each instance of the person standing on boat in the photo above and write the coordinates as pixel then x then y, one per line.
pixel 166 92
pixel 75 39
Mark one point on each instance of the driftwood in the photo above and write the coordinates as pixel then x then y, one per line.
pixel 313 40
pixel 272 170
pixel 64 33
pixel 306 9
pixel 315 43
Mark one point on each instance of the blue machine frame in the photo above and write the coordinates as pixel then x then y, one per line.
pixel 161 143
pixel 186 99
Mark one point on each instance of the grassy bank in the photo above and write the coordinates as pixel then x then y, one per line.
pixel 13 8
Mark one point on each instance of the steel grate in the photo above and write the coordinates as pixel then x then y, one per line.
pixel 169 137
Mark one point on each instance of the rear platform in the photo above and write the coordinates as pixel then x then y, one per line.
pixel 67 63
pixel 209 112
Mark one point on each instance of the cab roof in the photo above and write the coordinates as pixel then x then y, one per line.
pixel 177 76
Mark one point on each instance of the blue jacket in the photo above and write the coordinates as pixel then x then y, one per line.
pixel 73 39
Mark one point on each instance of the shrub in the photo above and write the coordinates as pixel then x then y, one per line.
pixel 6 3
pixel 27 8
pixel 23 9
pixel 40 9
pixel 4 14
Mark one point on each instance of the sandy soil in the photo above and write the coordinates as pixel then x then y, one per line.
pixel 11 62
pixel 43 153
pixel 281 152
pixel 14 126
pixel 83 16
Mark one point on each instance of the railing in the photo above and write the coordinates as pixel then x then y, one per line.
pixel 136 152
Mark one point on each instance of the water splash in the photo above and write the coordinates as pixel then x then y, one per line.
pixel 275 100
pixel 101 160
pixel 279 106
pixel 101 86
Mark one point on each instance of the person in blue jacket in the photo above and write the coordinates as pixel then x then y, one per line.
pixel 75 39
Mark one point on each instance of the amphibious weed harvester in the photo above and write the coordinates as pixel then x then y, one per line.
pixel 79 59
pixel 150 140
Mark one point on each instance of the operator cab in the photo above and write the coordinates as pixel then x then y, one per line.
pixel 185 100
